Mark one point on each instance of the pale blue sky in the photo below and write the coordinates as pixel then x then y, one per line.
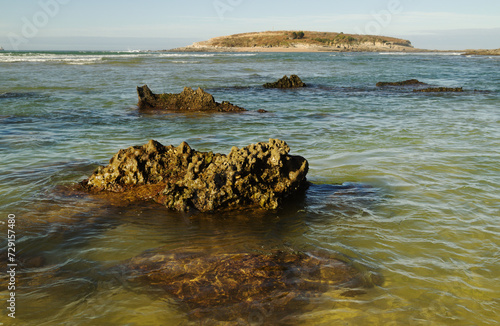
pixel 155 24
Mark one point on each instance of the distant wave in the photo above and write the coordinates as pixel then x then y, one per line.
pixel 421 53
pixel 49 57
pixel 82 58
pixel 206 55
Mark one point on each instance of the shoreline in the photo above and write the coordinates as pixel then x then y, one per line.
pixel 304 50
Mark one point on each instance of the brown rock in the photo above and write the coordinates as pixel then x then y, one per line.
pixel 221 286
pixel 401 83
pixel 293 82
pixel 188 100
pixel 260 175
pixel 439 90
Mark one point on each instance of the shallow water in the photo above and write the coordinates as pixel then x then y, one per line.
pixel 420 201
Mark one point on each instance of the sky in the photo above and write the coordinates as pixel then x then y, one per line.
pixel 156 24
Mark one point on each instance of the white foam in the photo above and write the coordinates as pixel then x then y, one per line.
pixel 82 58
pixel 422 53
pixel 49 57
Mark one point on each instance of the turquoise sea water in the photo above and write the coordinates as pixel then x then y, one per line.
pixel 422 171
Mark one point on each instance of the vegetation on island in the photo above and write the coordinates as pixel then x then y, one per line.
pixel 302 38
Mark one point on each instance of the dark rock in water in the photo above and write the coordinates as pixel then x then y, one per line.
pixel 261 175
pixel 230 286
pixel 188 100
pixel 285 82
pixel 439 90
pixel 401 83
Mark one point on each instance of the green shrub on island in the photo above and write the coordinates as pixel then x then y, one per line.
pixel 298 35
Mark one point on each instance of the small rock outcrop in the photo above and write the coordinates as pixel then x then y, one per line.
pixel 439 90
pixel 401 83
pixel 293 82
pixel 259 175
pixel 188 100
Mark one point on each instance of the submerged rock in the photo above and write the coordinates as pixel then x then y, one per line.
pixel 401 83
pixel 260 175
pixel 231 286
pixel 285 82
pixel 439 90
pixel 188 100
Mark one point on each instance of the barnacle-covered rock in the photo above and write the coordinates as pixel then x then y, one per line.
pixel 260 175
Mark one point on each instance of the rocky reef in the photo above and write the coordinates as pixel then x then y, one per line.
pixel 228 286
pixel 482 52
pixel 409 82
pixel 439 90
pixel 259 175
pixel 417 83
pixel 188 100
pixel 293 82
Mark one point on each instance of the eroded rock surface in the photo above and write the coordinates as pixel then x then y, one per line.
pixel 188 100
pixel 293 82
pixel 230 286
pixel 261 175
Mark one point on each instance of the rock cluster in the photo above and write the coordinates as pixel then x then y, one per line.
pixel 259 175
pixel 439 90
pixel 187 100
pixel 401 83
pixel 293 82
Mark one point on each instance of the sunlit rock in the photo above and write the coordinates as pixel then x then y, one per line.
pixel 181 178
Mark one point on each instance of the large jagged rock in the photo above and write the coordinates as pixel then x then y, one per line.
pixel 228 286
pixel 260 175
pixel 409 82
pixel 293 82
pixel 187 100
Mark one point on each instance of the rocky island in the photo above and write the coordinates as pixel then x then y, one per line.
pixel 300 41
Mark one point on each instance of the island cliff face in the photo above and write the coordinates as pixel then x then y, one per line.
pixel 292 41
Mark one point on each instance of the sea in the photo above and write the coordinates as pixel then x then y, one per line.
pixel 405 184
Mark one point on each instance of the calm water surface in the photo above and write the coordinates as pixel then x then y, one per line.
pixel 422 172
